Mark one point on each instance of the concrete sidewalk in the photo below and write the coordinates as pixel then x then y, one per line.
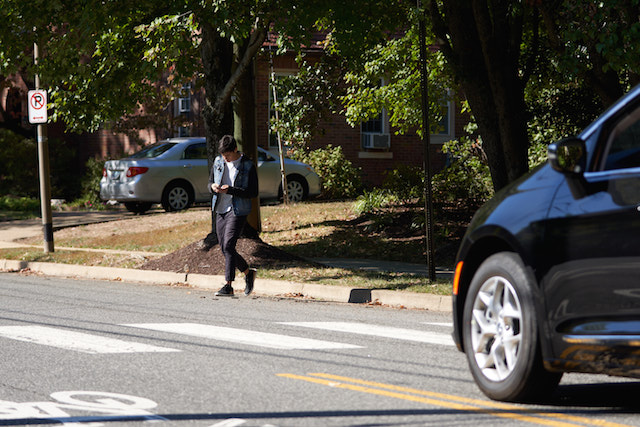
pixel 13 230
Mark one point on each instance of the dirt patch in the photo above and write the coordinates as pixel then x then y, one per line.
pixel 195 259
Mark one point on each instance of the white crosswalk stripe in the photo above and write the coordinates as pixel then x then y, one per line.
pixel 78 341
pixel 447 324
pixel 379 331
pixel 95 344
pixel 244 336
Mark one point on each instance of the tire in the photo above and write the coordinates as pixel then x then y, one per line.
pixel 501 333
pixel 138 207
pixel 177 196
pixel 297 189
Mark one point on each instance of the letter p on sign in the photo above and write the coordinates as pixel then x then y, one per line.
pixel 37 106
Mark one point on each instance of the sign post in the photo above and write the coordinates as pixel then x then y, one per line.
pixel 38 115
pixel 426 141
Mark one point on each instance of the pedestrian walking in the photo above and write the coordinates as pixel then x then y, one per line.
pixel 234 182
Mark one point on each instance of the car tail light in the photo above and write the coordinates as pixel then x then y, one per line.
pixel 104 172
pixel 136 170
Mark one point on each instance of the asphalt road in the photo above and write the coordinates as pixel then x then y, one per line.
pixel 111 353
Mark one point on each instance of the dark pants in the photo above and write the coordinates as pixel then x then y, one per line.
pixel 229 227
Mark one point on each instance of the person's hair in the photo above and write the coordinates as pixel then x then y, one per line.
pixel 227 144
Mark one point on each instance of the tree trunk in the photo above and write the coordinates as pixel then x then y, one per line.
pixel 482 47
pixel 245 133
pixel 217 58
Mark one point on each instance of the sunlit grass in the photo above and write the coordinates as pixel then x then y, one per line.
pixel 74 257
pixel 310 230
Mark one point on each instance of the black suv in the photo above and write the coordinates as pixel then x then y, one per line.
pixel 548 274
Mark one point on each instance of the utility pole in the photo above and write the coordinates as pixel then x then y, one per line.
pixel 283 173
pixel 43 165
pixel 426 141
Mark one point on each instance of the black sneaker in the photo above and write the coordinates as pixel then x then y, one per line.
pixel 225 291
pixel 249 278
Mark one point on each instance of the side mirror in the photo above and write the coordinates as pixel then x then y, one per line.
pixel 568 156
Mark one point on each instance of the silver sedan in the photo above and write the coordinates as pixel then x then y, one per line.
pixel 175 173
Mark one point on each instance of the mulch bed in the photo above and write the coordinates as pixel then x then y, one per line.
pixel 196 259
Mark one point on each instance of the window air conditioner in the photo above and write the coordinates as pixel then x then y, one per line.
pixel 375 140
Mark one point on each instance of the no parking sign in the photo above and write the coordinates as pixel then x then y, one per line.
pixel 37 106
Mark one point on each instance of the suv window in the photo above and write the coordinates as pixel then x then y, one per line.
pixel 195 151
pixel 623 145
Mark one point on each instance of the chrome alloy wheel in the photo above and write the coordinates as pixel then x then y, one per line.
pixel 496 328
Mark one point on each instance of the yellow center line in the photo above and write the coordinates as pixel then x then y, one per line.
pixel 488 403
pixel 450 401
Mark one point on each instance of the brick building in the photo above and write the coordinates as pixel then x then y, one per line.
pixel 373 146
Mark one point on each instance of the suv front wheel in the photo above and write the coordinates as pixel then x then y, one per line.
pixel 501 333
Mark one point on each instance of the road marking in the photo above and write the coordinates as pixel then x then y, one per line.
pixel 497 409
pixel 77 341
pixel 244 336
pixel 67 407
pixel 379 331
pixel 231 422
pixel 447 324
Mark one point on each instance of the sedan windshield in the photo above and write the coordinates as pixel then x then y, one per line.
pixel 153 150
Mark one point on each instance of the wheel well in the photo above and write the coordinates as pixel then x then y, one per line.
pixel 186 184
pixel 481 250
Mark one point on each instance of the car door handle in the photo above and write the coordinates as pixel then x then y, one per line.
pixel 187 166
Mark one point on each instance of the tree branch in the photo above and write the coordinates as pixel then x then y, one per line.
pixel 256 39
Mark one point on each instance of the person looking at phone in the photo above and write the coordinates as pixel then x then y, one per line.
pixel 234 182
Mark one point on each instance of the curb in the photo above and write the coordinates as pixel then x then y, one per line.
pixel 266 287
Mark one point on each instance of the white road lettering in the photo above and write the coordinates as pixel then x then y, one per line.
pixel 109 405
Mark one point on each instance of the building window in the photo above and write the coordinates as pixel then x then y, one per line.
pixel 184 131
pixel 446 125
pixel 374 133
pixel 184 102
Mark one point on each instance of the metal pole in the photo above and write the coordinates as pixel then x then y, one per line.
pixel 43 172
pixel 426 141
pixel 283 174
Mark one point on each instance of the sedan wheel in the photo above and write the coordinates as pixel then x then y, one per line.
pixel 500 332
pixel 296 190
pixel 176 197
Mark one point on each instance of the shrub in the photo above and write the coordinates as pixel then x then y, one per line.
pixel 405 182
pixel 90 185
pixel 467 176
pixel 374 200
pixel 537 154
pixel 19 167
pixel 340 179
pixel 21 204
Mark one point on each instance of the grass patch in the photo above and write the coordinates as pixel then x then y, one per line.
pixel 326 229
pixel 311 230
pixel 360 279
pixel 73 257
